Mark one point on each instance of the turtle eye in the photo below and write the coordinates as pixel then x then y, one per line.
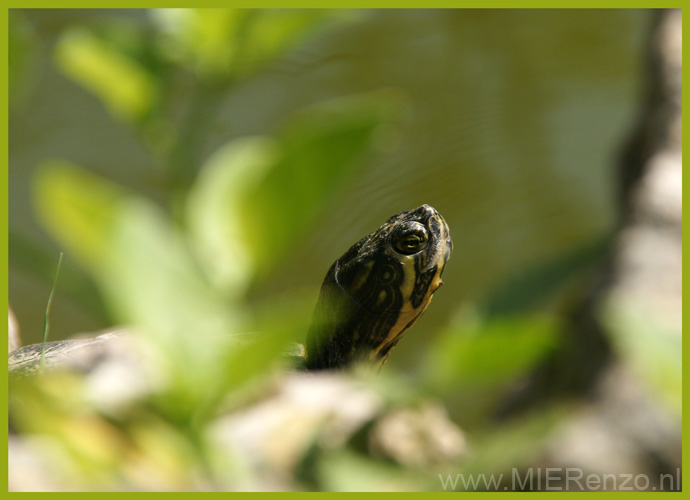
pixel 411 242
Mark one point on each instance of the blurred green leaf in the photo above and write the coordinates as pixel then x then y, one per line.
pixel 152 280
pixel 95 452
pixel 256 197
pixel 213 208
pixel 344 470
pixel 79 208
pixel 124 85
pixel 322 148
pixel 277 323
pixel 476 361
pixel 143 267
pixel 203 343
pixel 201 38
pixel 272 32
pixel 55 409
pixel 651 346
pixel 232 42
pixel 504 449
pixel 539 282
pixel 474 352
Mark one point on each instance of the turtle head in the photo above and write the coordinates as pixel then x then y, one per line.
pixel 378 289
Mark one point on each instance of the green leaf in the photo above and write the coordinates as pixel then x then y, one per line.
pixel 147 274
pixel 214 207
pixel 271 32
pixel 344 470
pixel 649 343
pixel 78 208
pixel 509 449
pixel 200 38
pixel 537 283
pixel 481 353
pixel 124 86
pixel 255 198
pixel 322 147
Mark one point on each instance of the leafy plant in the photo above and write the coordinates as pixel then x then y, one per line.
pixel 178 275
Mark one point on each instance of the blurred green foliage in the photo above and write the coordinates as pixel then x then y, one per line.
pixel 476 353
pixel 251 203
pixel 121 83
pixel 180 279
pixel 651 346
pixel 233 43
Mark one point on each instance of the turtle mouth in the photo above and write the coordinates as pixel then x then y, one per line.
pixel 435 286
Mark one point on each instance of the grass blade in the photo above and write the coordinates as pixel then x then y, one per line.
pixel 46 323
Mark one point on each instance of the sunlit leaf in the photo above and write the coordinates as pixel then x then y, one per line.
pixel 201 38
pixel 123 85
pixel 214 208
pixel 153 281
pixel 145 270
pixel 79 208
